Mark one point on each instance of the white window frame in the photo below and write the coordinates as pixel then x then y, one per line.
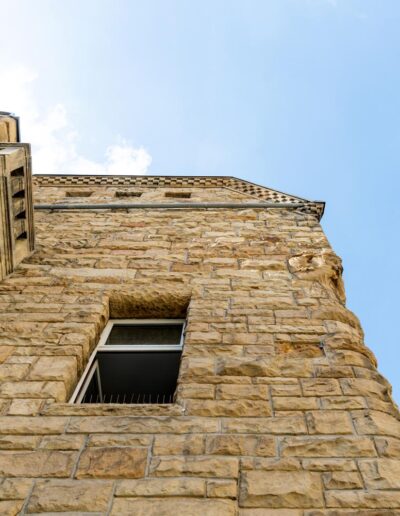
pixel 92 365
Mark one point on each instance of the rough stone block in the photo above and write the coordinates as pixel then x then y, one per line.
pixel 227 467
pixel 263 446
pixel 161 506
pixel 234 392
pixel 329 422
pixel 41 463
pixel 19 442
pixel 24 407
pixel 112 463
pixel 288 424
pixel 162 487
pixel 32 425
pixel 62 368
pixel 342 480
pixel 376 423
pixel 388 447
pixel 146 425
pixel 321 387
pixel 381 473
pixel 15 488
pixel 178 445
pixel 363 500
pixel 70 495
pixel 235 408
pixel 291 489
pixel 327 447
pixel 222 489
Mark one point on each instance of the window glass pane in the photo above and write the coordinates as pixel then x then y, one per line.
pixel 128 334
pixel 143 377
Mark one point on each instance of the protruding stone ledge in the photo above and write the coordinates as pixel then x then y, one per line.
pixel 100 409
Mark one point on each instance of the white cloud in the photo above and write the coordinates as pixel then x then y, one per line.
pixel 53 136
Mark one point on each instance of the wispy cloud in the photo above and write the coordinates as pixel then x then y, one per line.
pixel 53 136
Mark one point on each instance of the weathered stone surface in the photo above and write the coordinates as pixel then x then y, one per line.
pixel 250 392
pixel 107 440
pixel 321 387
pixel 64 368
pixel 227 467
pixel 22 389
pixel 388 447
pixel 162 487
pixel 32 425
pixel 363 387
pixel 157 425
pixel 261 367
pixel 329 465
pixel 70 495
pixel 13 371
pixel 329 422
pixel 363 499
pixel 165 506
pixel 342 480
pixel 19 442
pixel 263 446
pixel 235 408
pixel 377 423
pixel 328 447
pixel 295 403
pixel 15 488
pixel 281 489
pixel 222 489
pixel 277 392
pixel 62 442
pixel 112 463
pixel 290 424
pixel 41 463
pixel 178 444
pixel 381 473
pixel 11 507
pixel 270 512
pixel 270 464
pixel 24 407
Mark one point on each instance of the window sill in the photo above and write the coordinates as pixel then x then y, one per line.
pixel 100 409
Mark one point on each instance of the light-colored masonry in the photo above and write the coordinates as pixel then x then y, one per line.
pixel 280 409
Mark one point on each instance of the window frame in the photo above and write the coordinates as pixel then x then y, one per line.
pixel 92 366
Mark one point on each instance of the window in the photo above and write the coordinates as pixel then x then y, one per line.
pixel 127 193
pixel 136 361
pixel 78 193
pixel 178 195
pixel 18 202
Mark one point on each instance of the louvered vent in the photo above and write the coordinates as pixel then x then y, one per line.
pixel 16 211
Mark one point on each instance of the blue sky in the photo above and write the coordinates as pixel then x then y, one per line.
pixel 298 95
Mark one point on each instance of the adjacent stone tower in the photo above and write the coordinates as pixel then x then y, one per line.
pixel 279 409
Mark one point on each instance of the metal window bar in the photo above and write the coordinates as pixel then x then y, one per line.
pixel 135 398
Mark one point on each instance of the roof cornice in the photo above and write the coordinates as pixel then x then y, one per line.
pixel 239 185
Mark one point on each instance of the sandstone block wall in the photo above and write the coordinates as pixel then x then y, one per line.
pixel 280 409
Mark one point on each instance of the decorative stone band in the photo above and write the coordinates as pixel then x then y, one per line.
pixel 239 185
pixel 312 208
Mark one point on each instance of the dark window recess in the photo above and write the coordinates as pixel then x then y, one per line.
pixel 139 334
pixel 178 195
pixel 126 193
pixel 137 363
pixel 138 377
pixel 78 193
pixel 18 203
pixel 18 172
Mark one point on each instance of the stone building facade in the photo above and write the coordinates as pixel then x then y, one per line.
pixel 279 408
